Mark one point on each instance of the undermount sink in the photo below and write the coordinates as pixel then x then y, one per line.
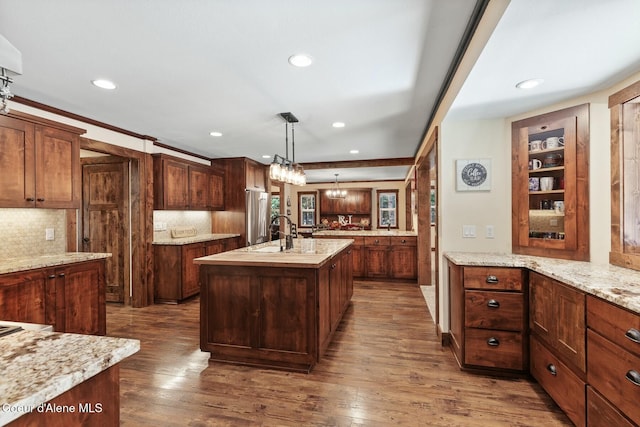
pixel 268 249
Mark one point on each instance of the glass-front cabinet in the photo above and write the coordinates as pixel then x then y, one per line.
pixel 550 184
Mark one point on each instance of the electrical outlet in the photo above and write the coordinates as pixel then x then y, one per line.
pixel 469 231
pixel 49 234
pixel 489 232
pixel 553 222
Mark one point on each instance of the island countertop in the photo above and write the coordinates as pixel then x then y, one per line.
pixel 39 366
pixel 13 265
pixel 306 253
pixel 618 285
pixel 365 233
pixel 193 239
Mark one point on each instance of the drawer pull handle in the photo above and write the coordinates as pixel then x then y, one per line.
pixel 492 279
pixel 403 241
pixel 633 334
pixel 333 266
pixel 552 369
pixel 493 304
pixel 634 377
pixel 493 342
pixel 377 241
pixel 52 276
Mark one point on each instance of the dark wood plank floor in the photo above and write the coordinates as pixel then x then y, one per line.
pixel 385 367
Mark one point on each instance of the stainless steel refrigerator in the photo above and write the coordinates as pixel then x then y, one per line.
pixel 257 204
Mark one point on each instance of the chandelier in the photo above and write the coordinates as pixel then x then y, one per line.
pixel 10 64
pixel 335 192
pixel 282 169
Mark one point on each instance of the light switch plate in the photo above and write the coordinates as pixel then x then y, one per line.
pixel 49 234
pixel 469 231
pixel 489 232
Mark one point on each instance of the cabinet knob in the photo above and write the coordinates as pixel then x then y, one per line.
pixel 552 369
pixel 61 275
pixel 377 241
pixel 403 241
pixel 493 342
pixel 30 199
pixel 634 377
pixel 333 266
pixel 493 304
pixel 492 279
pixel 633 334
pixel 40 199
pixel 52 276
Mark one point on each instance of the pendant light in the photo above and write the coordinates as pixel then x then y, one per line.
pixel 282 169
pixel 335 192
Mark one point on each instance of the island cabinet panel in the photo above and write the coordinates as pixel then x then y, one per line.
pixel 403 258
pixel 282 317
pixel 71 298
pixel 488 327
pixel 602 413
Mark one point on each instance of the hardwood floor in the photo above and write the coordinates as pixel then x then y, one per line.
pixel 384 367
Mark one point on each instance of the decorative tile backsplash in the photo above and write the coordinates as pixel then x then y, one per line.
pixel 166 220
pixel 23 232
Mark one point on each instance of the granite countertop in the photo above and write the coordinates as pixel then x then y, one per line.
pixel 372 233
pixel 306 253
pixel 194 239
pixel 38 366
pixel 13 265
pixel 618 285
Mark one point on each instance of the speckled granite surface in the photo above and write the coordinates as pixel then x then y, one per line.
pixel 372 233
pixel 12 265
pixel 306 253
pixel 618 285
pixel 195 239
pixel 38 366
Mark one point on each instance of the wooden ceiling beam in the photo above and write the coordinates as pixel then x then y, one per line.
pixel 399 161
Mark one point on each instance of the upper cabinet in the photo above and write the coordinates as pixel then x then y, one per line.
pixel 40 164
pixel 356 202
pixel 625 173
pixel 255 175
pixel 550 184
pixel 182 185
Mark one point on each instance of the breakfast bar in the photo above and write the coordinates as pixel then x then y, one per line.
pixel 272 307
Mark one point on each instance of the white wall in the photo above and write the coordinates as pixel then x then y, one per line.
pixel 492 139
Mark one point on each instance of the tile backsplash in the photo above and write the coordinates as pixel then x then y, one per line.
pixel 167 220
pixel 23 232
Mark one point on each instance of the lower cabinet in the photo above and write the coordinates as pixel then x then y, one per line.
pixel 71 297
pixel 488 317
pixel 176 277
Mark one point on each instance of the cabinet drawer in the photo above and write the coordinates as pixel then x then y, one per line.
pixel 615 323
pixel 494 349
pixel 564 386
pixel 508 279
pixel 357 240
pixel 601 413
pixel 377 241
pixel 494 310
pixel 615 373
pixel 404 241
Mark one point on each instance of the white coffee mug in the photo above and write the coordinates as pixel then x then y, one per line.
pixel 553 142
pixel 535 164
pixel 546 183
pixel 558 206
pixel 535 145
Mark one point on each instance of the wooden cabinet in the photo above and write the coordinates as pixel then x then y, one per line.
pixel 71 298
pixel 356 202
pixel 358 257
pixel 40 165
pixel 182 185
pixel 377 257
pixel 550 184
pixel 255 173
pixel 176 277
pixel 488 317
pixel 613 360
pixel 281 317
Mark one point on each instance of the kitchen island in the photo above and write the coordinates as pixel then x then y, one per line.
pixel 61 379
pixel 264 307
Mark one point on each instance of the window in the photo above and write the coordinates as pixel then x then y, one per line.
pixel 275 207
pixel 307 209
pixel 387 208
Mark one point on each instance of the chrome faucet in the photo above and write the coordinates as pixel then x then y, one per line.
pixel 288 237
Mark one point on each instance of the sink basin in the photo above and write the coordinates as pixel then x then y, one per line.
pixel 268 249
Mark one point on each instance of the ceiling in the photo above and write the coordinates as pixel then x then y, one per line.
pixel 184 69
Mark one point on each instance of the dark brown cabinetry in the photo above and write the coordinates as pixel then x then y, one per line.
pixel 613 362
pixel 488 317
pixel 182 185
pixel 274 317
pixel 40 164
pixel 391 257
pixel 176 277
pixel 558 343
pixel 356 202
pixel 71 298
pixel 550 184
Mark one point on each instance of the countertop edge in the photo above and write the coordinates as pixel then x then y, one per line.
pixel 194 239
pixel 14 265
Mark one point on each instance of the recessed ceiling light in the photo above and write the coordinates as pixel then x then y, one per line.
pixel 529 84
pixel 266 156
pixel 354 151
pixel 300 60
pixel 104 84
pixel 215 133
pixel 337 124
